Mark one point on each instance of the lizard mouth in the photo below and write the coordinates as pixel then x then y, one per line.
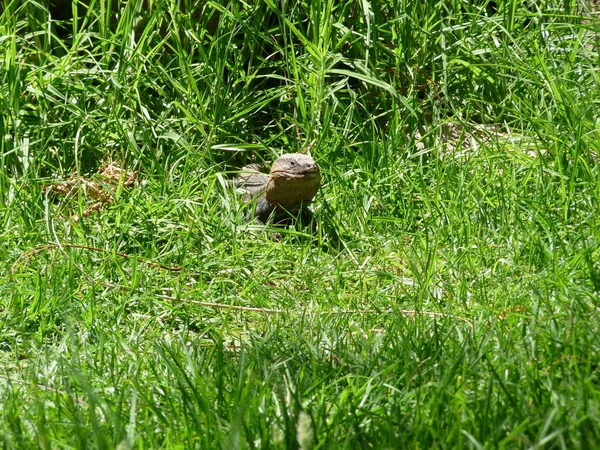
pixel 313 173
pixel 307 174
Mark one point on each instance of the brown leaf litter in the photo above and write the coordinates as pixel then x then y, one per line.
pixel 99 190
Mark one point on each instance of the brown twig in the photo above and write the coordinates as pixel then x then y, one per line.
pixel 40 248
pixel 407 312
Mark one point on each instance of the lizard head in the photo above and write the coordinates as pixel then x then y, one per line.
pixel 294 180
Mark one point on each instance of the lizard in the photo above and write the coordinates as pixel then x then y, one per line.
pixel 286 191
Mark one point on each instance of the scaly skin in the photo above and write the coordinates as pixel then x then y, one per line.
pixel 252 181
pixel 294 181
pixel 291 185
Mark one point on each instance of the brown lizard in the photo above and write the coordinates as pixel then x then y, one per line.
pixel 286 191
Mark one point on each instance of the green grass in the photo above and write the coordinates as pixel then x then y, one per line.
pixel 449 298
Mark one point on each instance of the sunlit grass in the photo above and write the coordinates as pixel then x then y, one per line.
pixel 448 297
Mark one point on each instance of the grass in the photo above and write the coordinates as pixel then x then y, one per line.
pixel 449 297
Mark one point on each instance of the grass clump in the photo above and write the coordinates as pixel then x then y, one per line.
pixel 448 297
